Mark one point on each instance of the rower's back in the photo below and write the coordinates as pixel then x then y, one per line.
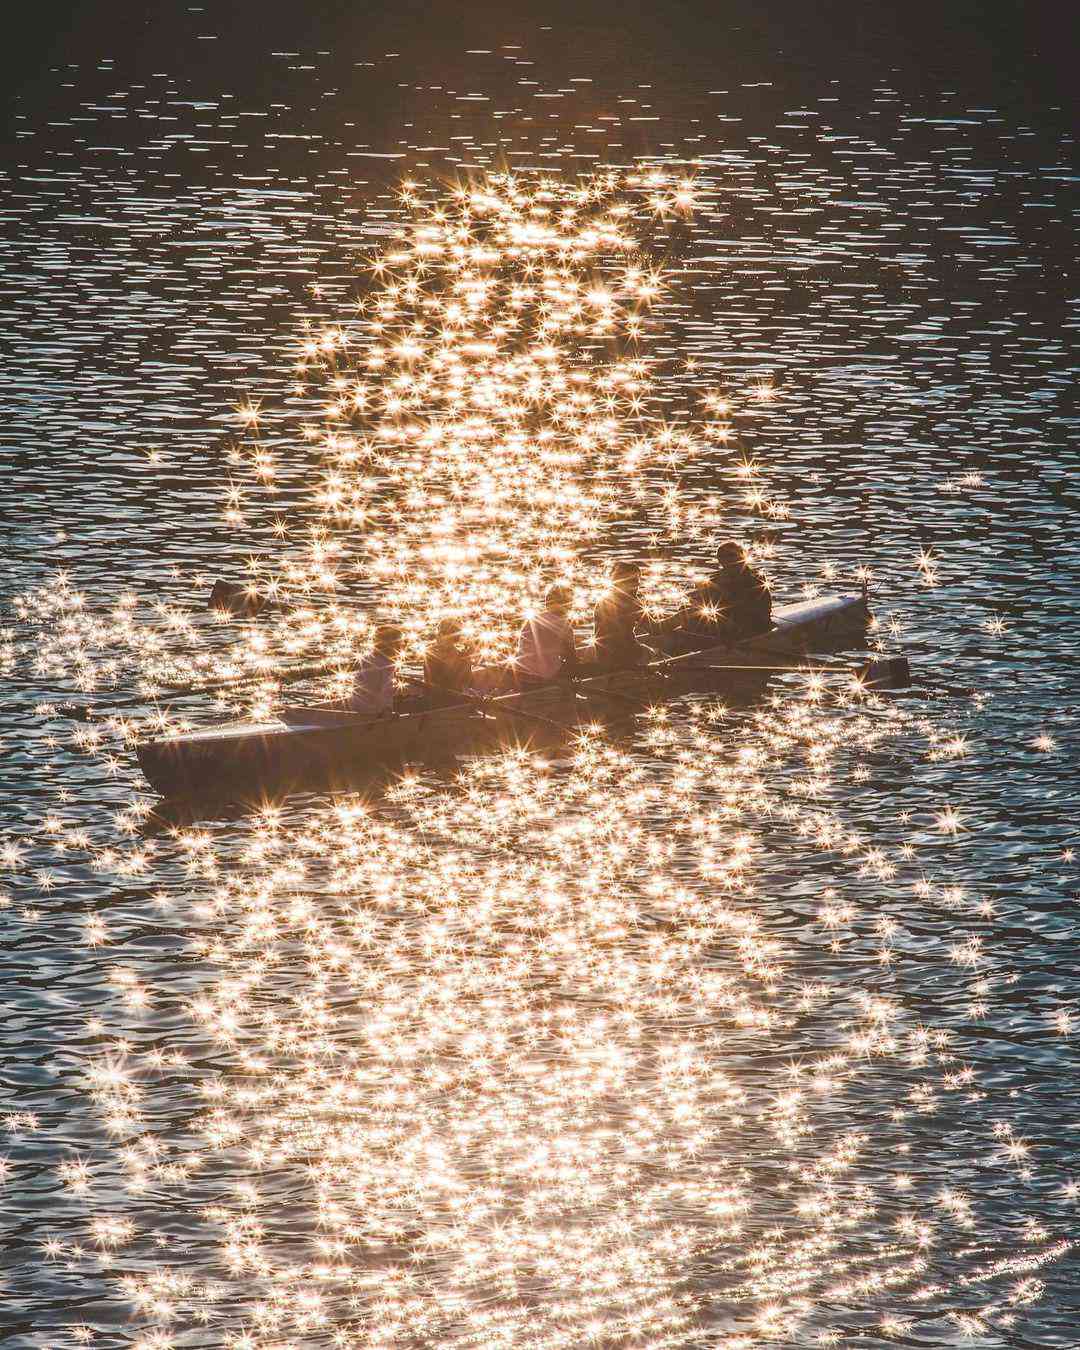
pixel 373 679
pixel 745 599
pixel 448 667
pixel 546 646
pixel 615 619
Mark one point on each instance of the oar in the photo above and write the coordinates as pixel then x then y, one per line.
pixel 285 676
pixel 628 699
pixel 232 597
pixel 659 667
pixel 601 692
pixel 79 712
pixel 302 672
pixel 483 704
pixel 791 670
pixel 83 713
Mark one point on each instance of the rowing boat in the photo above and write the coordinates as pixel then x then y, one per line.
pixel 317 747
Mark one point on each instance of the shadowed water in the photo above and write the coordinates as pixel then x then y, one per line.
pixel 752 1024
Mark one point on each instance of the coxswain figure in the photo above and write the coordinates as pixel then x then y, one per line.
pixel 616 620
pixel 373 682
pixel 546 646
pixel 448 667
pixel 733 604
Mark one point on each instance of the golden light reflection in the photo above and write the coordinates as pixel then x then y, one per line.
pixel 523 1058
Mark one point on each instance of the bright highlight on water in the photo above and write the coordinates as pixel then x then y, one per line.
pixel 520 1054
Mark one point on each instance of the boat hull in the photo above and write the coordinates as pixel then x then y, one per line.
pixel 319 748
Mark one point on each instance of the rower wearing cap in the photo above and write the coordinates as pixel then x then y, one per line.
pixel 733 604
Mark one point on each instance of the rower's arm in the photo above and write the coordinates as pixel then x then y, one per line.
pixel 666 625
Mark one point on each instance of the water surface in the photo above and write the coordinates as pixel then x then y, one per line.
pixel 732 1027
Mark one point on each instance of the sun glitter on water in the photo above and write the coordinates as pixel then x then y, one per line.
pixel 489 414
pixel 518 1059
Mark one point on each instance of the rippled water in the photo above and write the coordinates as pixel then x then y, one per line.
pixel 712 1028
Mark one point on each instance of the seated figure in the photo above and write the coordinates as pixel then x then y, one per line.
pixel 616 620
pixel 448 667
pixel 373 680
pixel 546 645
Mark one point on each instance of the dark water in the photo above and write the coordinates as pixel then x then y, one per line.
pixel 509 1060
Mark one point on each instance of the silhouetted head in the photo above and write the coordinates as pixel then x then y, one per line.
pixel 625 574
pixel 449 630
pixel 558 599
pixel 388 639
pixel 729 554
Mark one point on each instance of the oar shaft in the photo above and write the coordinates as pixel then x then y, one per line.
pixel 492 705
pixel 281 676
pixel 794 670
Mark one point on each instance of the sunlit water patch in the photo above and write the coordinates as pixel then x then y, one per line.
pixel 739 1026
